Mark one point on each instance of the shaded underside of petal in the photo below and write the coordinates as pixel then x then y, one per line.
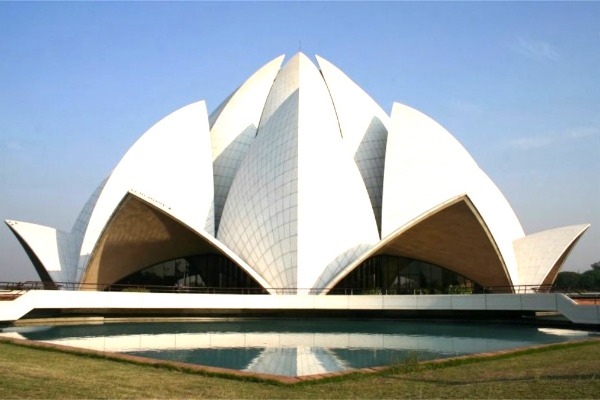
pixel 425 166
pixel 142 233
pixel 171 163
pixel 452 235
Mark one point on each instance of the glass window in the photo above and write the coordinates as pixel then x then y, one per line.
pixel 210 273
pixel 387 274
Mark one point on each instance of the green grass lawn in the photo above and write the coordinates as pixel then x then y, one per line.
pixel 560 371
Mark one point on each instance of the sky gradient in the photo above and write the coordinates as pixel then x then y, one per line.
pixel 518 84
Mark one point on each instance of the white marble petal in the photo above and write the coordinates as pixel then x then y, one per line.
pixel 364 127
pixel 234 128
pixel 542 253
pixel 425 166
pixel 172 164
pixel 297 188
pixel 55 250
pixel 298 176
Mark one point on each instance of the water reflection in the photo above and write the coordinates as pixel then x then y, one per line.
pixel 295 348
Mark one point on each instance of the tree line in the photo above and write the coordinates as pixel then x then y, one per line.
pixel 587 280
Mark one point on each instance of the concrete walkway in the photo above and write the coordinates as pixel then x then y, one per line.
pixel 13 310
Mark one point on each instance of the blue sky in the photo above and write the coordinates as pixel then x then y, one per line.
pixel 518 84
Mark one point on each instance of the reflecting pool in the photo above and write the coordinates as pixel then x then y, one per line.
pixel 297 347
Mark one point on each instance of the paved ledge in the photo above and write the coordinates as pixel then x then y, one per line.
pixel 227 305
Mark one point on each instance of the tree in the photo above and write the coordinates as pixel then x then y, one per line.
pixel 594 276
pixel 586 282
pixel 567 279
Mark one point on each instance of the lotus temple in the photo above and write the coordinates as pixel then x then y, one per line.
pixel 298 185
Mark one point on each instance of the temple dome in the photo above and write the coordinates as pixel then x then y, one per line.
pixel 297 178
